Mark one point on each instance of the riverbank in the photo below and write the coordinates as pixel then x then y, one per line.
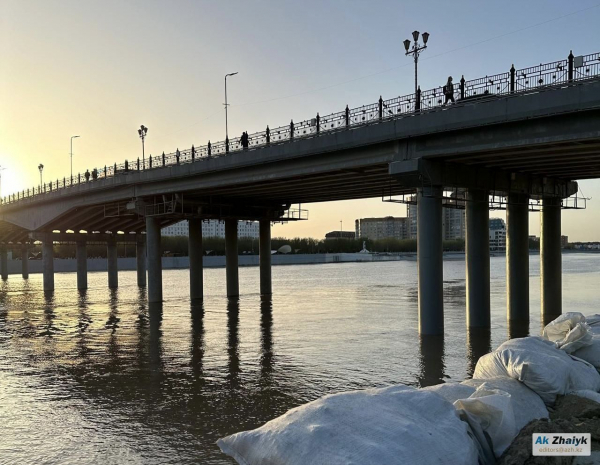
pixel 65 265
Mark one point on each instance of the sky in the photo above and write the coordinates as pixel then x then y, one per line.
pixel 100 69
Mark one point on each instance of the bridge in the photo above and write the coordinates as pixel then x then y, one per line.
pixel 516 140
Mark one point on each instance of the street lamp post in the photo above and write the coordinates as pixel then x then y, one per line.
pixel 41 168
pixel 72 137
pixel 416 50
pixel 226 105
pixel 142 131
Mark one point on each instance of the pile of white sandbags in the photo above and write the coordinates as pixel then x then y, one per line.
pixel 471 422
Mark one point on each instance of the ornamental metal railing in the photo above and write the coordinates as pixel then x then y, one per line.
pixel 558 73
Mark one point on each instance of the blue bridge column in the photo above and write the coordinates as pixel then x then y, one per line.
pixel 195 254
pixel 113 267
pixel 231 258
pixel 81 255
pixel 517 257
pixel 155 291
pixel 48 263
pixel 140 260
pixel 265 257
pixel 430 260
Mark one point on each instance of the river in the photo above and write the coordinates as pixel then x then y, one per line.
pixel 99 377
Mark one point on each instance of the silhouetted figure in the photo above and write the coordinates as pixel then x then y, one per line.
pixel 87 175
pixel 268 135
pixel 245 140
pixel 94 174
pixel 449 91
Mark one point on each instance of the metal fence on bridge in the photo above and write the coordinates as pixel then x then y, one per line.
pixel 558 73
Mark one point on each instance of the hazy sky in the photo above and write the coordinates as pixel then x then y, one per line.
pixel 100 69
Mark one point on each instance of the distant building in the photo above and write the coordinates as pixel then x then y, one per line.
pixel 497 234
pixel 383 228
pixel 213 228
pixel 453 222
pixel 564 241
pixel 340 235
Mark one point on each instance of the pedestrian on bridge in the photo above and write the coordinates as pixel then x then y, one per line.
pixel 449 91
pixel 245 140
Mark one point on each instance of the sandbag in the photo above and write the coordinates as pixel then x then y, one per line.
pixel 594 322
pixel 452 391
pixel 526 404
pixel 493 410
pixel 591 353
pixel 569 332
pixel 540 365
pixel 394 425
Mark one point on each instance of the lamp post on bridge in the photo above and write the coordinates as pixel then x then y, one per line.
pixel 226 105
pixel 72 137
pixel 416 50
pixel 41 168
pixel 142 131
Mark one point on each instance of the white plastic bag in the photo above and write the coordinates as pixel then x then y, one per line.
pixel 452 391
pixel 569 332
pixel 591 353
pixel 493 410
pixel 526 404
pixel 395 425
pixel 538 364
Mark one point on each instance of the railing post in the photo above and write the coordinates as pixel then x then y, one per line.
pixel 347 116
pixel 227 145
pixel 462 87
pixel 115 169
pixel 571 59
pixel 291 129
pixel 512 78
pixel 138 163
pixel 380 107
pixel 268 135
pixel 150 162
pixel 418 99
pixel 193 153
pixel 318 124
pixel 163 158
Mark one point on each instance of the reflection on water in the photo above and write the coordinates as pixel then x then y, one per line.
pixel 100 376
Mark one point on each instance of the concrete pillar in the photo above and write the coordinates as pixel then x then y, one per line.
pixel 25 262
pixel 155 293
pixel 430 260
pixel 265 257
pixel 478 259
pixel 140 256
pixel 113 267
pixel 231 258
pixel 517 257
pixel 4 263
pixel 196 256
pixel 81 254
pixel 48 264
pixel 550 260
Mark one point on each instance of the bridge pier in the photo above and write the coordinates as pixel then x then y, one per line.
pixel 140 261
pixel 81 255
pixel 517 257
pixel 477 249
pixel 48 263
pixel 231 258
pixel 25 261
pixel 4 263
pixel 155 293
pixel 430 260
pixel 265 257
pixel 196 256
pixel 113 267
pixel 550 259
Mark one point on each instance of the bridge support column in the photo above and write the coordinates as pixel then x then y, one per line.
pixel 517 258
pixel 25 262
pixel 81 254
pixel 478 259
pixel 231 258
pixel 430 260
pixel 113 267
pixel 155 293
pixel 4 263
pixel 196 256
pixel 550 260
pixel 265 257
pixel 48 263
pixel 140 261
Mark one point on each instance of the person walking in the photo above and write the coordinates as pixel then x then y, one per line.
pixel 449 91
pixel 245 140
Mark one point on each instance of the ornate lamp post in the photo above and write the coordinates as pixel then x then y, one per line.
pixel 72 137
pixel 226 105
pixel 416 50
pixel 142 131
pixel 41 168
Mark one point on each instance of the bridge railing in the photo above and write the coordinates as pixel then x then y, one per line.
pixel 562 72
